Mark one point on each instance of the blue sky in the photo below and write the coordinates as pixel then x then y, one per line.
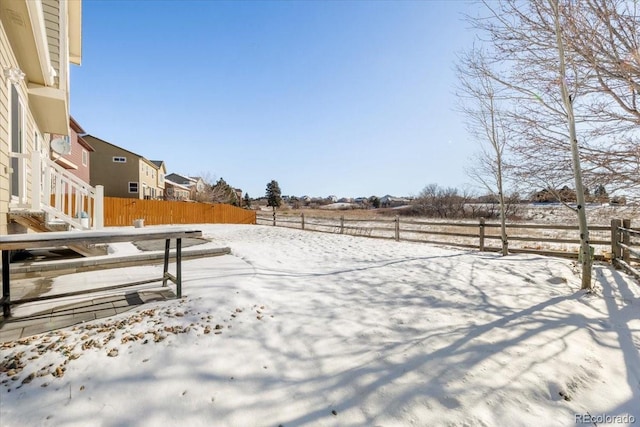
pixel 346 98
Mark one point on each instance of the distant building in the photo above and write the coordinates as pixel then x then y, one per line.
pixel 123 173
pixel 393 202
pixel 196 185
pixel 175 191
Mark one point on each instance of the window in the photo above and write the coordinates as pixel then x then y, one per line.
pixel 85 157
pixel 133 187
pixel 121 160
pixel 18 183
pixel 161 178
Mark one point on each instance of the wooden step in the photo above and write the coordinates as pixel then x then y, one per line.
pixel 37 221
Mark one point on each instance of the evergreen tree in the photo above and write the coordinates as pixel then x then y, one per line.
pixel 274 198
pixel 247 200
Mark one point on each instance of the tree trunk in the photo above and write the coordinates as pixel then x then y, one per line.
pixel 498 148
pixel 585 250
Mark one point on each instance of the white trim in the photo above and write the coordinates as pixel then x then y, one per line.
pixel 19 198
pixel 137 187
pixel 39 30
pixel 85 157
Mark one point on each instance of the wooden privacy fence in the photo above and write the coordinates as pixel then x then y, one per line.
pixel 123 212
pixel 545 239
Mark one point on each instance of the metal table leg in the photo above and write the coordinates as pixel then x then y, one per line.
pixel 165 276
pixel 6 288
pixel 179 267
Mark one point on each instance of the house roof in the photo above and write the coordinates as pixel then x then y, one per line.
pixel 76 126
pixel 80 131
pixel 95 138
pixel 85 144
pixel 174 177
pixel 175 184
pixel 158 163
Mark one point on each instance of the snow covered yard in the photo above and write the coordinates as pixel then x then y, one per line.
pixel 299 328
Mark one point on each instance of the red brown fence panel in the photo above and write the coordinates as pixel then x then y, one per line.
pixel 123 212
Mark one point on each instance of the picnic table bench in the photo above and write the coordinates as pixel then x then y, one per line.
pixel 63 238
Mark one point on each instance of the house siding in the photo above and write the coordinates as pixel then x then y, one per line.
pixel 149 180
pixel 113 176
pixel 7 58
pixel 51 9
pixel 30 128
pixel 161 183
pixel 75 157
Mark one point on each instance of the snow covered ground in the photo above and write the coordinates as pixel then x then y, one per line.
pixel 312 329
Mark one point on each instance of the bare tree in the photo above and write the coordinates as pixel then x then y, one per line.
pixel 528 61
pixel 480 104
pixel 585 248
pixel 436 201
pixel 603 36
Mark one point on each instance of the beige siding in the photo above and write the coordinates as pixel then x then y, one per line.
pixel 162 172
pixel 149 179
pixel 6 57
pixel 51 9
pixel 30 128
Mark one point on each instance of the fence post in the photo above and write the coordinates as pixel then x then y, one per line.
pixel 302 219
pixel 481 242
pixel 397 228
pixel 626 239
pixel 341 224
pixel 98 212
pixel 615 240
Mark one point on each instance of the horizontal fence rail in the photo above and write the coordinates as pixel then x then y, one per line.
pixel 625 246
pixel 559 240
pixel 123 212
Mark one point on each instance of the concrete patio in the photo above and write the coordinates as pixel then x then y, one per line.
pixel 62 316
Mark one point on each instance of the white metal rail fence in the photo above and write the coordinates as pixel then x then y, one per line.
pixel 559 240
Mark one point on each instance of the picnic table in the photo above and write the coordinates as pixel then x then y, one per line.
pixel 63 238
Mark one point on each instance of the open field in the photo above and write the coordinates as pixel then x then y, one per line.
pixel 466 233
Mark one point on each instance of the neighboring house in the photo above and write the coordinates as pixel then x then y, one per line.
pixel 78 160
pixel 123 173
pixel 38 41
pixel 175 191
pixel 196 185
pixel 393 202
pixel 161 172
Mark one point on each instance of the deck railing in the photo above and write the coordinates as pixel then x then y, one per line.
pixel 60 194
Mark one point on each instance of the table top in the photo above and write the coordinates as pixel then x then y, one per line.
pixel 63 238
